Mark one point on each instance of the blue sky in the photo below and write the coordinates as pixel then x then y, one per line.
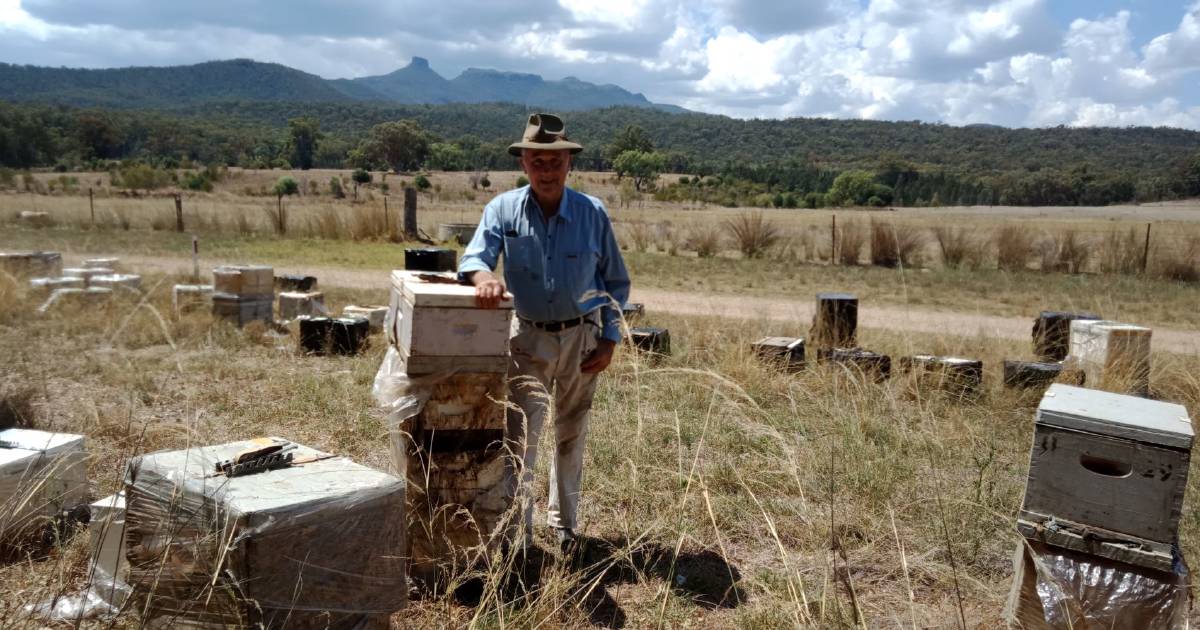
pixel 1016 63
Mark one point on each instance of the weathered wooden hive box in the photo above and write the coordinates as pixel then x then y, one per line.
pixel 1107 474
pixel 782 352
pixel 835 321
pixel 187 297
pixel 32 264
pixel 1111 355
pixel 1052 333
pixel 956 375
pixel 42 476
pixel 293 304
pixel 654 341
pixel 375 315
pixel 101 263
pixel 452 451
pixel 314 545
pixel 244 293
pixel 1030 374
pixel 436 325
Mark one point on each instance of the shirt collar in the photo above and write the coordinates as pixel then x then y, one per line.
pixel 564 208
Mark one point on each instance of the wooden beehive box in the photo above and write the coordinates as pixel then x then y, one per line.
pixel 436 325
pixel 245 280
pixel 835 321
pixel 375 315
pixel 784 352
pixel 293 304
pixel 1112 356
pixel 1107 474
pixel 314 545
pixel 42 476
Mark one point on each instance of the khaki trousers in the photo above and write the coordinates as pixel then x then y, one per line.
pixel 545 368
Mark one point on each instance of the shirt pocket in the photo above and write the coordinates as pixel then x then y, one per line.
pixel 581 274
pixel 522 254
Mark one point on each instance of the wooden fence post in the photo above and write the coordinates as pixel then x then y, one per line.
pixel 92 205
pixel 833 241
pixel 178 212
pixel 1146 251
pixel 410 212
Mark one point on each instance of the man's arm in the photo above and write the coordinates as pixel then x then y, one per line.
pixel 615 277
pixel 479 259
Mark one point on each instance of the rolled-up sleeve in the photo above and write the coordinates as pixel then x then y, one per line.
pixel 483 252
pixel 615 279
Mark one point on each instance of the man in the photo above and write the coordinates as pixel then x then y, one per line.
pixel 568 281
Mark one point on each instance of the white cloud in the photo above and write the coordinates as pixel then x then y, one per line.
pixel 957 61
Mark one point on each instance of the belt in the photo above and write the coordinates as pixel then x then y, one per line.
pixel 555 326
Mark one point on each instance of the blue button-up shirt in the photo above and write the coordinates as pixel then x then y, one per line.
pixel 556 270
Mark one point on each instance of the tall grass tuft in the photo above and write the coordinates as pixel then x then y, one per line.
pixel 1121 252
pixel 704 239
pixel 959 247
pixel 850 240
pixel 1064 252
pixel 753 233
pixel 1180 263
pixel 1014 247
pixel 894 244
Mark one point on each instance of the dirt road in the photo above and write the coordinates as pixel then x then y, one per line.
pixel 887 316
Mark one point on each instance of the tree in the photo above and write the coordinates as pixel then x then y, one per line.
pixel 285 186
pixel 305 135
pixel 444 156
pixel 643 167
pixel 402 145
pixel 631 138
pixel 360 176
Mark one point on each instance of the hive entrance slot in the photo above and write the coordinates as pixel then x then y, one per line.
pixel 1105 466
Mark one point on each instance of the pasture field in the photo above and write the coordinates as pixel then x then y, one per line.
pixel 718 492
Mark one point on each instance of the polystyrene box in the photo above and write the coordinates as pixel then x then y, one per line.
pixel 436 325
pixel 42 475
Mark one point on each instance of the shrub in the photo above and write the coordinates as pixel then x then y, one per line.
pixel 197 181
pixel 335 188
pixel 7 177
pixel 641 234
pixel 1121 252
pixel 753 233
pixel 141 177
pixel 958 246
pixel 361 176
pixel 286 186
pixel 422 182
pixel 884 252
pixel 485 182
pixel 1064 252
pixel 1180 263
pixel 705 240
pixel 1014 247
pixel 522 181
pixel 850 240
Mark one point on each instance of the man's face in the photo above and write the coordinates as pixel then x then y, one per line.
pixel 547 170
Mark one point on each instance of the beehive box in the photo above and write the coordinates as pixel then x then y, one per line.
pixel 1030 374
pixel 295 282
pixel 436 325
pixel 835 321
pixel 651 340
pixel 314 545
pixel 375 315
pixel 1112 356
pixel 31 264
pixel 1052 333
pixel 242 310
pixel 874 365
pixel 86 273
pixel 430 259
pixel 49 284
pixel 123 281
pixel 42 476
pixel 785 352
pixel 293 304
pixel 245 280
pixel 185 297
pixel 452 455
pixel 956 375
pixel 1109 471
pixel 101 263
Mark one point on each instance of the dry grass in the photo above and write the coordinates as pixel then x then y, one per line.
pixel 1181 263
pixel 895 244
pixel 1121 252
pixel 705 240
pixel 1064 252
pixel 1014 247
pixel 718 493
pixel 851 237
pixel 959 247
pixel 753 233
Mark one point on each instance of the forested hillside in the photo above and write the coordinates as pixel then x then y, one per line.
pixel 916 162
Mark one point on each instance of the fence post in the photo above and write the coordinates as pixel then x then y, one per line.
pixel 178 212
pixel 410 212
pixel 387 222
pixel 833 241
pixel 92 205
pixel 195 259
pixel 1146 251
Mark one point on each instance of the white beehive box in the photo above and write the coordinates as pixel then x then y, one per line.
pixel 123 281
pixel 436 325
pixel 293 304
pixel 374 314
pixel 317 544
pixel 1112 356
pixel 42 475
pixel 101 263
pixel 106 535
pixel 1108 463
pixel 49 284
pixel 86 273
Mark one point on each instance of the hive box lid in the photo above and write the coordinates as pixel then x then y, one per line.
pixel 1116 415
pixel 423 289
pixel 33 440
pixel 281 490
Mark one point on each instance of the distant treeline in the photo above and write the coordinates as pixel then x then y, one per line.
pixel 789 163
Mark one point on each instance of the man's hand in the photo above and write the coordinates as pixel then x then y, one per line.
pixel 598 360
pixel 489 291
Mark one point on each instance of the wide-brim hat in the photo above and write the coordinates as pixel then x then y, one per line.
pixel 545 132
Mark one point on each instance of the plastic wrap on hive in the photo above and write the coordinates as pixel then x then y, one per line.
pixel 270 548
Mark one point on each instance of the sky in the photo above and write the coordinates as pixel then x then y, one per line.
pixel 1016 63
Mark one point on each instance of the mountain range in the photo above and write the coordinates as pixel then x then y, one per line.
pixel 248 80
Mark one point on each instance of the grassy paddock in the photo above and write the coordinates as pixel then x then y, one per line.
pixel 723 494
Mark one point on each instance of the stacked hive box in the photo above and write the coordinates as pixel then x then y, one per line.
pixel 293 304
pixel 87 273
pixel 42 476
pixel 783 352
pixel 452 451
pixel 117 281
pixel 1107 476
pixel 374 314
pixel 1112 356
pixel 1052 333
pixel 244 293
pixel 316 544
pixel 187 297
pixel 31 264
